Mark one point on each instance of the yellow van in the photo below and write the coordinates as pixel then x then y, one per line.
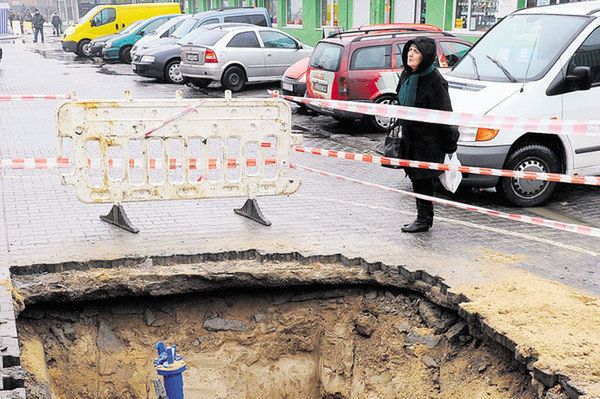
pixel 108 20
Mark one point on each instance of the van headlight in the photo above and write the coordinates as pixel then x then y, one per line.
pixel 467 133
pixel 148 58
pixel 477 134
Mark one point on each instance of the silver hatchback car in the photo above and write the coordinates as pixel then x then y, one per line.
pixel 235 55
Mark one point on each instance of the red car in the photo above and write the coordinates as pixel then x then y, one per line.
pixel 365 65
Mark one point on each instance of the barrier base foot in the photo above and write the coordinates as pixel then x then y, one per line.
pixel 252 211
pixel 118 217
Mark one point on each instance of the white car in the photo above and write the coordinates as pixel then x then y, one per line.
pixel 165 30
pixel 536 63
pixel 236 55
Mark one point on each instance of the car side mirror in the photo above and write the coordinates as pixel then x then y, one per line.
pixel 142 33
pixel 92 23
pixel 580 78
pixel 299 46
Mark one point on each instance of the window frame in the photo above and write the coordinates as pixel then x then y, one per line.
pixel 287 10
pixel 333 16
pixel 206 22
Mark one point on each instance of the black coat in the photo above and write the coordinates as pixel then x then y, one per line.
pixel 427 141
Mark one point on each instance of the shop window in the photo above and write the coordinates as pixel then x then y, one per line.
pixel 329 13
pixel 476 15
pixel 271 6
pixel 244 40
pixel 374 57
pixel 294 12
pixel 588 55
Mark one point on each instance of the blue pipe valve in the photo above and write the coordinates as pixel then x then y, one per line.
pixel 170 366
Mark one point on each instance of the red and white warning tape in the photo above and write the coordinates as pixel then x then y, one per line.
pixel 34 97
pixel 553 224
pixel 551 177
pixel 550 126
pixel 153 163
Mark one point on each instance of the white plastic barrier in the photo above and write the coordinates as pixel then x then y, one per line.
pixel 228 148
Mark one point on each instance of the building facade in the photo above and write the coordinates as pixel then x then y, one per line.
pixel 311 20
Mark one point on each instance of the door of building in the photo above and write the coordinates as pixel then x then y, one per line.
pixel 361 11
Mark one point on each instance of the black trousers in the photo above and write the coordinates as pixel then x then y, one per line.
pixel 37 31
pixel 425 187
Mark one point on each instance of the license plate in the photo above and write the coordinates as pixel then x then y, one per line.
pixel 287 86
pixel 191 57
pixel 320 87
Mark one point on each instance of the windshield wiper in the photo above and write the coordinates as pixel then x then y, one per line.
pixel 508 74
pixel 474 66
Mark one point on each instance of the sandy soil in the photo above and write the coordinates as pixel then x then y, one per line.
pixel 353 343
pixel 555 324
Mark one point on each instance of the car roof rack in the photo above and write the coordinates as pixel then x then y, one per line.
pixel 366 31
pixel 399 34
pixel 230 8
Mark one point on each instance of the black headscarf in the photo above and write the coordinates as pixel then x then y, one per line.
pixel 408 91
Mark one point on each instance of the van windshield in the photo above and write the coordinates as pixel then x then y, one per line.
pixel 185 28
pixel 521 48
pixel 326 56
pixel 88 15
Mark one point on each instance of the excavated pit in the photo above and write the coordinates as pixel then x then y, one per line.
pixel 255 326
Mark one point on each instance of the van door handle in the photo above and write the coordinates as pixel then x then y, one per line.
pixel 122 25
pixel 117 26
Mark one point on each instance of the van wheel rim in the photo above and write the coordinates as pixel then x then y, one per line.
pixel 528 189
pixel 86 48
pixel 175 73
pixel 382 121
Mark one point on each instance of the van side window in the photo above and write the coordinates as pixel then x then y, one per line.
pixel 244 40
pixel 588 55
pixel 257 19
pixel 373 57
pixel 243 19
pixel 210 21
pixel 104 17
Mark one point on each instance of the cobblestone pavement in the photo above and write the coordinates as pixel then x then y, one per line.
pixel 42 221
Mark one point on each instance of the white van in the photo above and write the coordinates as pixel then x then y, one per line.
pixel 542 63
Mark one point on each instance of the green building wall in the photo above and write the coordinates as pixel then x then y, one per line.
pixel 438 12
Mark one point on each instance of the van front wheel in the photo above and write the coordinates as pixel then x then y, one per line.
pixel 530 158
pixel 84 48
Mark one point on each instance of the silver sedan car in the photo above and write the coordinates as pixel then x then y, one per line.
pixel 236 55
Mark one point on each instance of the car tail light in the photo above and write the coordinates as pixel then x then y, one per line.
pixel 343 86
pixel 210 57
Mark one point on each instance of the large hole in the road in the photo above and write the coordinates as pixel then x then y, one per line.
pixel 326 342
pixel 253 325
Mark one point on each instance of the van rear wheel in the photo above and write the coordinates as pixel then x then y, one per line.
pixel 84 48
pixel 381 123
pixel 530 158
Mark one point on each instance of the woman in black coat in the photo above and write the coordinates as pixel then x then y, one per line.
pixel 422 86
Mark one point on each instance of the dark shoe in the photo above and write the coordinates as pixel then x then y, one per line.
pixel 418 226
